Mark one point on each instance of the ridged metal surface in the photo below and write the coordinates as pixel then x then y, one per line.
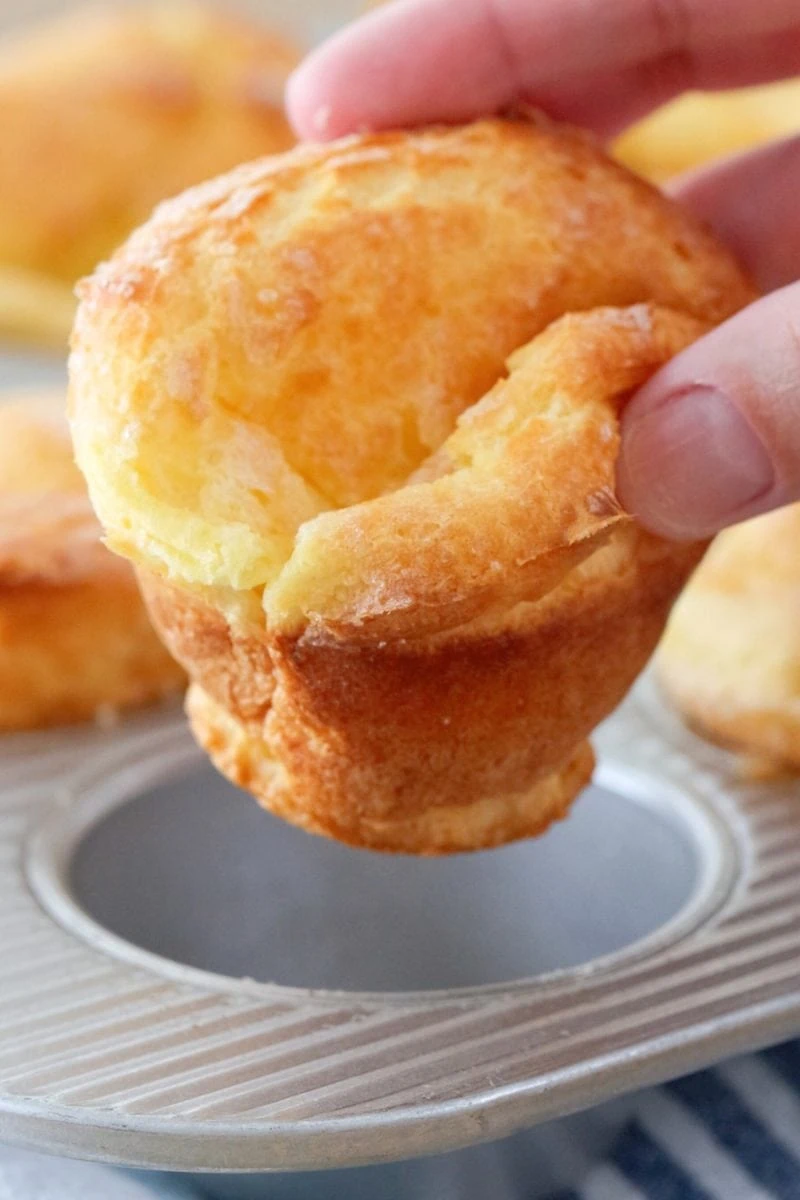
pixel 110 1052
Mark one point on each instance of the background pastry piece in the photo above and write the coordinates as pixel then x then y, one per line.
pixel 731 655
pixel 327 405
pixel 104 113
pixel 75 641
pixel 701 126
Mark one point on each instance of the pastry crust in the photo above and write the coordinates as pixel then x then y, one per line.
pixel 105 112
pixel 730 659
pixel 354 414
pixel 442 828
pixel 75 640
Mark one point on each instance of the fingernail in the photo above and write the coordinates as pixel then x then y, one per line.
pixel 692 464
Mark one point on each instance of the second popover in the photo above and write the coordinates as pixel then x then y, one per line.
pixel 730 658
pixel 104 112
pixel 700 126
pixel 75 639
pixel 353 412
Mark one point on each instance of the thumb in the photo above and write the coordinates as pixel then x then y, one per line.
pixel 714 437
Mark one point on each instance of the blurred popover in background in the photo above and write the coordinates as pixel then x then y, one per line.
pixel 104 112
pixel 731 655
pixel 701 126
pixel 75 640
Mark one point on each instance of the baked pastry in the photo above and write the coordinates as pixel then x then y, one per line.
pixel 75 641
pixel 731 656
pixel 394 566
pixel 106 111
pixel 700 126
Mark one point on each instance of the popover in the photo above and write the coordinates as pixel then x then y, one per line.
pixel 353 413
pixel 75 640
pixel 104 112
pixel 731 655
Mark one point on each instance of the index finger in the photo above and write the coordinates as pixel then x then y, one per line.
pixel 425 60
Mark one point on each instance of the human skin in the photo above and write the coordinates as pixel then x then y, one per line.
pixel 714 437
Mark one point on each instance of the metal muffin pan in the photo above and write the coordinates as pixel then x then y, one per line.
pixel 652 933
pixel 188 985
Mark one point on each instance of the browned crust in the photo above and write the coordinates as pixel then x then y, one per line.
pixel 490 821
pixel 367 742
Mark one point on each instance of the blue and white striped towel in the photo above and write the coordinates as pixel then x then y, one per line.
pixel 731 1133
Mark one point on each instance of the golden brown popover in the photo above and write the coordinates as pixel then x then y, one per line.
pixel 700 126
pixel 75 640
pixel 106 111
pixel 731 655
pixel 353 412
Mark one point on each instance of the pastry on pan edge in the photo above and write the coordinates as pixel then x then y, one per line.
pixel 730 659
pixel 75 639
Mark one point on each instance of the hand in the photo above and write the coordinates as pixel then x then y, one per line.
pixel 714 437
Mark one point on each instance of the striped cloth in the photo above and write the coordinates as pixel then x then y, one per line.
pixel 731 1133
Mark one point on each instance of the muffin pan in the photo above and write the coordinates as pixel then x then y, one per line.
pixel 190 985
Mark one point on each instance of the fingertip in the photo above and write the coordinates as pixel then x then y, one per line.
pixel 356 80
pixel 385 71
pixel 750 201
pixel 307 106
pixel 333 92
pixel 691 462
pixel 714 437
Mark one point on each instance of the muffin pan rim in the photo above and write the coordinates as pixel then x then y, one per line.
pixel 50 846
pixel 648 1012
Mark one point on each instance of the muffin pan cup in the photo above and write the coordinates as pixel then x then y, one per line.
pixel 112 1048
